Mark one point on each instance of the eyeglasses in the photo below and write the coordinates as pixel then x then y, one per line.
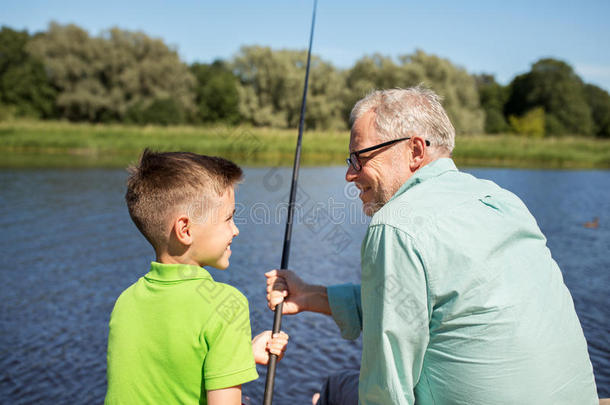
pixel 354 161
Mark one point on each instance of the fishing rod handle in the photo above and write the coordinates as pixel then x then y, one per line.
pixel 271 367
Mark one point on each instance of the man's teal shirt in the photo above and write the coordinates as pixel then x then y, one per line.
pixel 461 301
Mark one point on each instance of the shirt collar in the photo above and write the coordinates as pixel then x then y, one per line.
pixel 176 272
pixel 432 169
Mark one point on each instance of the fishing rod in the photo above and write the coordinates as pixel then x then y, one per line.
pixel 277 318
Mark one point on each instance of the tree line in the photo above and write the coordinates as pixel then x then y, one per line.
pixel 129 77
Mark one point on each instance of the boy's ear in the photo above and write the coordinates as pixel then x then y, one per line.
pixel 182 230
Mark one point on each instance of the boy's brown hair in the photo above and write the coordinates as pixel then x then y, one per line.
pixel 162 182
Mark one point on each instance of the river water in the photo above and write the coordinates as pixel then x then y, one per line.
pixel 68 249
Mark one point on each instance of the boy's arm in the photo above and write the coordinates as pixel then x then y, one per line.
pixel 225 396
pixel 229 361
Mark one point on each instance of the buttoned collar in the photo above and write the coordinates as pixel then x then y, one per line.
pixel 176 272
pixel 432 169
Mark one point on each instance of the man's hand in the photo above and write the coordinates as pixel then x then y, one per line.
pixel 264 343
pixel 298 296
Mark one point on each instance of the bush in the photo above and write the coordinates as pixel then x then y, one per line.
pixel 530 124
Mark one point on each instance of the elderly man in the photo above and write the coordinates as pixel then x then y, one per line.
pixel 461 301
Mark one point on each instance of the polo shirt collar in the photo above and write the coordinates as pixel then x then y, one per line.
pixel 176 272
pixel 432 169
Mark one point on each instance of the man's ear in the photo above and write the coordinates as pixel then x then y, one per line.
pixel 182 230
pixel 418 153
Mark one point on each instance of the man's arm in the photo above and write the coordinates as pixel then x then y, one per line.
pixel 394 292
pixel 298 296
pixel 342 302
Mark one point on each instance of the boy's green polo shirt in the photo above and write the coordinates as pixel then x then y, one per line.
pixel 176 333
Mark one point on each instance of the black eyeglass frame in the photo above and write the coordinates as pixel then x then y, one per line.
pixel 357 153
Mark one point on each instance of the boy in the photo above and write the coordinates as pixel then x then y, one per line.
pixel 176 335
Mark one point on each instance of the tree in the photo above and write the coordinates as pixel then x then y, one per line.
pixel 455 85
pixel 552 85
pixel 216 93
pixel 374 72
pixel 492 96
pixel 23 81
pixel 102 78
pixel 160 111
pixel 599 102
pixel 272 86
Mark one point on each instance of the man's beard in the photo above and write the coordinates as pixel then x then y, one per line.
pixel 380 198
pixel 371 207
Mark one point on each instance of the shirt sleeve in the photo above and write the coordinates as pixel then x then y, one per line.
pixel 395 304
pixel 229 360
pixel 346 309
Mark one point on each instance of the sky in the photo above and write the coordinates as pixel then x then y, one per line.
pixel 503 38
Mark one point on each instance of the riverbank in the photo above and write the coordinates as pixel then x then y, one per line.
pixel 44 144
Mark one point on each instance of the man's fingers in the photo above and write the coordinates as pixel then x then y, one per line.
pixel 280 273
pixel 277 289
pixel 271 273
pixel 275 297
pixel 276 284
pixel 277 273
pixel 277 293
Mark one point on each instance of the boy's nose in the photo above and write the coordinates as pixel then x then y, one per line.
pixel 235 230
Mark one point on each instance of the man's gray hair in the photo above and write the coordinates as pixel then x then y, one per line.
pixel 406 112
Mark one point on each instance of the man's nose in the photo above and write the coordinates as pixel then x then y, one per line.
pixel 351 174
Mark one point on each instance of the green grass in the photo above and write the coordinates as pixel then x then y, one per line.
pixel 32 144
pixel 516 151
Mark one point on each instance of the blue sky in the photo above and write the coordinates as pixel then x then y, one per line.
pixel 499 37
